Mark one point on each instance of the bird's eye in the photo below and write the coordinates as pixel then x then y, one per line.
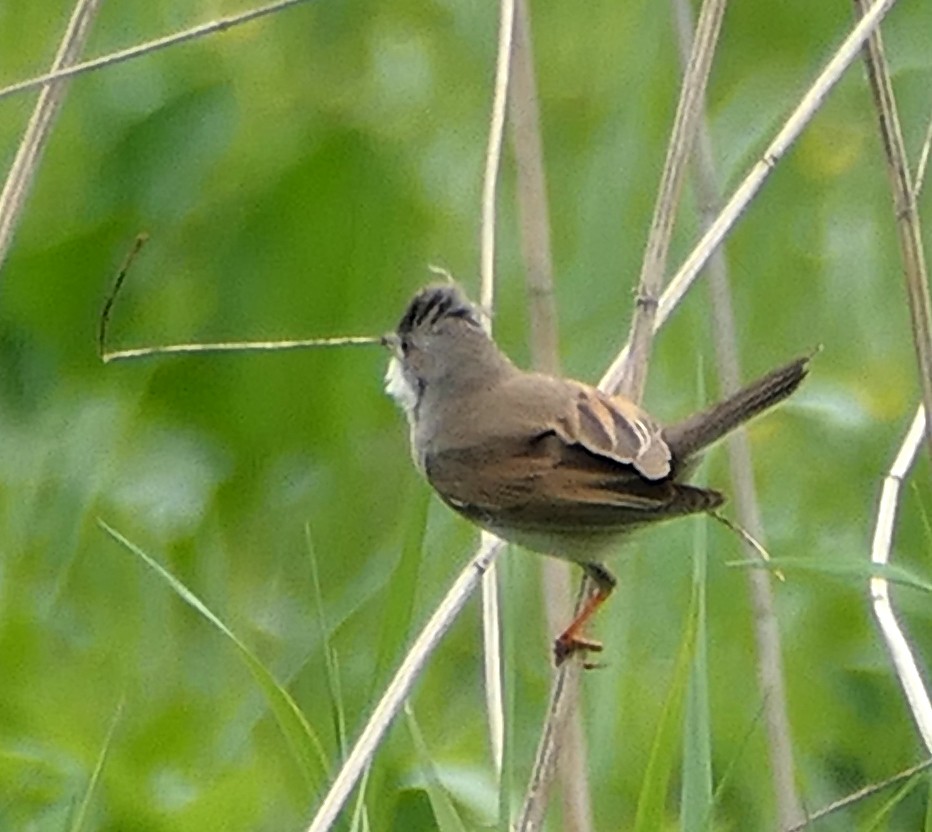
pixel 405 346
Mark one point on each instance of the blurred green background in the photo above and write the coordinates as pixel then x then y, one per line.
pixel 296 176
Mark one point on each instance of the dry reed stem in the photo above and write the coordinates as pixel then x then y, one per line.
pixel 491 614
pixel 724 331
pixel 911 245
pixel 401 684
pixel 634 371
pixel 566 680
pixel 241 346
pixel 907 669
pixel 534 229
pixel 531 192
pixel 747 190
pixel 861 794
pixel 29 153
pixel 141 49
pixel 493 155
pixel 923 163
pixel 906 212
pixel 633 375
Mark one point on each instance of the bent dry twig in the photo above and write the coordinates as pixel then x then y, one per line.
pixel 108 356
pixel 907 669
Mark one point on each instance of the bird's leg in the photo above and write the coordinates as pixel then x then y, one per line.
pixel 571 639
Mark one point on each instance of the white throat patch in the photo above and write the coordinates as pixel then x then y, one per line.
pixel 399 388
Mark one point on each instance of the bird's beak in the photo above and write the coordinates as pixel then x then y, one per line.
pixel 392 342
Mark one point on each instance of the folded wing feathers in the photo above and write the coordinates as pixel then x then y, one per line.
pixel 615 428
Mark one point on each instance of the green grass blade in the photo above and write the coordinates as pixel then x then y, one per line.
pixel 330 660
pixel 882 815
pixel 360 821
pixel 78 820
pixel 448 819
pixel 652 800
pixel 696 800
pixel 303 742
pixel 400 590
pixel 860 570
pixel 743 746
pixel 927 825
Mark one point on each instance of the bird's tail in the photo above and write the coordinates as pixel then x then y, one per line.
pixel 700 430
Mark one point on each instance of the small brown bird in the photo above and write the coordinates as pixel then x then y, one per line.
pixel 551 464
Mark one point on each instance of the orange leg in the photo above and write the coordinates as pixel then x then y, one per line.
pixel 571 639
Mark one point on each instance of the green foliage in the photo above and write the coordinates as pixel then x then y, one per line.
pixel 300 736
pixel 296 176
pixel 445 815
pixel 696 802
pixel 653 796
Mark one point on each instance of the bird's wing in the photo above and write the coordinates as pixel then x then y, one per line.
pixel 615 428
pixel 548 483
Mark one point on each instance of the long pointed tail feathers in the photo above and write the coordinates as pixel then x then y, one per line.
pixel 700 430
